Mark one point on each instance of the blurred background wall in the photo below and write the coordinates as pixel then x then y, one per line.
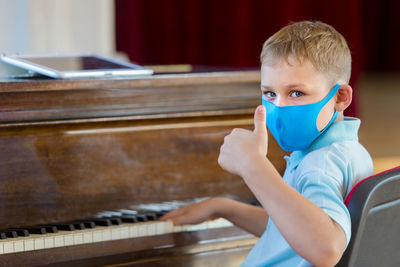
pixel 57 26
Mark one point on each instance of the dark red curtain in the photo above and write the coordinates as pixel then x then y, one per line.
pixel 381 38
pixel 231 32
pixel 222 32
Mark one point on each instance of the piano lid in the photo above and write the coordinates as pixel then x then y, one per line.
pixel 201 93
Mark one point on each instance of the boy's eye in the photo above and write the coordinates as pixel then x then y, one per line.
pixel 269 94
pixel 296 94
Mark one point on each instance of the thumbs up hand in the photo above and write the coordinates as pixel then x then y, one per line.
pixel 241 147
pixel 260 129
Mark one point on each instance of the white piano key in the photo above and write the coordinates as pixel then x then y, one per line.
pixel 1 248
pixel 115 233
pixel 8 246
pixel 168 227
pixel 210 224
pixel 68 238
pixel 151 228
pixel 133 231
pixel 186 228
pixel 48 241
pixel 106 234
pixel 28 244
pixel 58 240
pixel 38 242
pixel 181 228
pixel 160 227
pixel 200 226
pixel 177 228
pixel 193 227
pixel 78 237
pixel 18 244
pixel 205 225
pixel 221 222
pixel 87 236
pixel 98 234
pixel 197 227
pixel 124 232
pixel 142 229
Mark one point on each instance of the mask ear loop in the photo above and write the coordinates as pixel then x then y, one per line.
pixel 324 101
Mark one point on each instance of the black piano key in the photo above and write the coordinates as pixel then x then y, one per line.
pixel 38 230
pixel 129 219
pixel 10 233
pixel 3 235
pixel 151 216
pixel 115 220
pixel 102 222
pixel 141 217
pixel 89 224
pixel 79 225
pixel 20 232
pixel 161 213
pixel 65 226
pixel 50 228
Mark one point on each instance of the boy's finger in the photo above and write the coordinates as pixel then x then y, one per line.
pixel 179 220
pixel 165 217
pixel 170 215
pixel 260 119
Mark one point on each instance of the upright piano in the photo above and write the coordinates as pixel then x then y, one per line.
pixel 109 156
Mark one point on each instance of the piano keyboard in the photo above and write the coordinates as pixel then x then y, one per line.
pixel 138 221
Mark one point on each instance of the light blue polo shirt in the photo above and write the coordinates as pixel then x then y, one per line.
pixel 324 173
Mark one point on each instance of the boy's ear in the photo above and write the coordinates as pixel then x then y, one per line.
pixel 344 97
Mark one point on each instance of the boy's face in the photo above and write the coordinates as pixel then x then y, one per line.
pixel 296 84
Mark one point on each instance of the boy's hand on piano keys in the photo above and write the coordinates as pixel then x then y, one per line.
pixel 193 214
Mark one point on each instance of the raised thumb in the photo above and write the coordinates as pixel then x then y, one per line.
pixel 260 118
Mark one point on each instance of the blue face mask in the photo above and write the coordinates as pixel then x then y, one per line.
pixel 295 127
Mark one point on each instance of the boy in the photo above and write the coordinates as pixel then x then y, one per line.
pixel 302 222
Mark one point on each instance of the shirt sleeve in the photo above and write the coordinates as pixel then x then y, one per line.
pixel 324 189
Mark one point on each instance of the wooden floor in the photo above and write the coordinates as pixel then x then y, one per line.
pixel 378 100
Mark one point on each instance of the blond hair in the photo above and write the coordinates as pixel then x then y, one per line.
pixel 317 42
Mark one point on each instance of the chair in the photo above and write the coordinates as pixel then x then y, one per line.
pixel 374 206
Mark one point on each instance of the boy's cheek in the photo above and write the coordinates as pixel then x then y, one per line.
pixel 325 115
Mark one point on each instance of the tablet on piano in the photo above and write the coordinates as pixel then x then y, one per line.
pixel 76 66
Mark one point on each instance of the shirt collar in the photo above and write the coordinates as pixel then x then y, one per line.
pixel 345 130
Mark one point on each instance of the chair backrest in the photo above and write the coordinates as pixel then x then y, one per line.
pixel 374 206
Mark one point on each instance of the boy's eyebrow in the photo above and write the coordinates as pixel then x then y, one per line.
pixel 286 86
pixel 266 87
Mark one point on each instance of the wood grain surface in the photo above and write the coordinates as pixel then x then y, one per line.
pixel 70 149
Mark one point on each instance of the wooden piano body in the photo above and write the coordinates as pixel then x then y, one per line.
pixel 72 148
